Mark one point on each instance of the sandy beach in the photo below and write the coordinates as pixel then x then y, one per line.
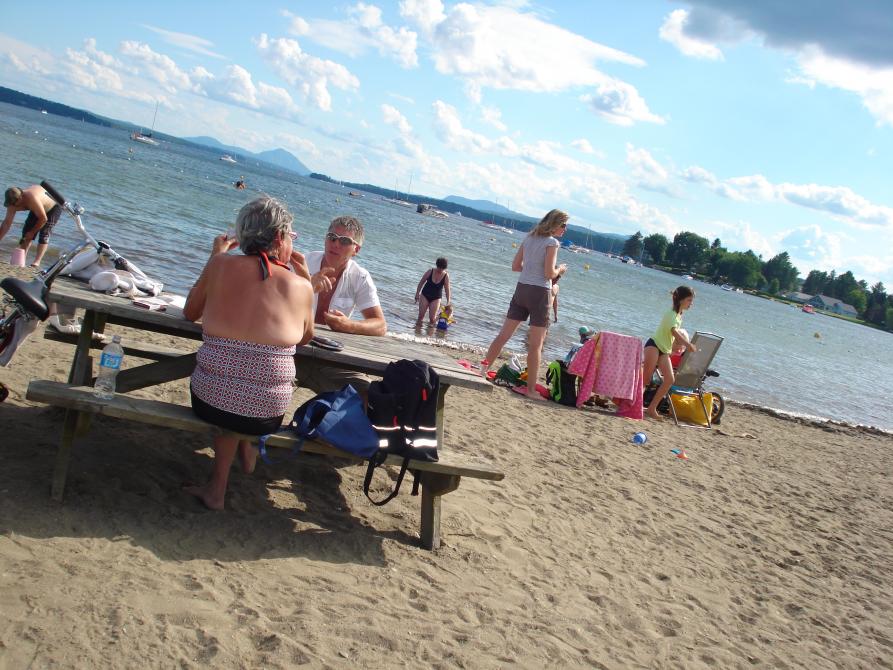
pixel 771 546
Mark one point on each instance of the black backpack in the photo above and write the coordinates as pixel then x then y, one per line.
pixel 403 411
pixel 562 384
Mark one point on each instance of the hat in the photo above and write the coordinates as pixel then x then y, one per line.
pixel 586 330
pixel 12 196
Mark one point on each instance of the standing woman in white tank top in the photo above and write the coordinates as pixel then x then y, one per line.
pixel 535 261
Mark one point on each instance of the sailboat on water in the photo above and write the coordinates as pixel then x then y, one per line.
pixel 146 138
pixel 396 200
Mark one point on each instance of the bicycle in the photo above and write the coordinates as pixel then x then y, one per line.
pixel 24 302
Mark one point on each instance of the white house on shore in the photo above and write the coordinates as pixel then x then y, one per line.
pixel 833 305
pixel 802 298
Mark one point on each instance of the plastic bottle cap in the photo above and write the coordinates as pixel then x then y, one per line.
pixel 116 339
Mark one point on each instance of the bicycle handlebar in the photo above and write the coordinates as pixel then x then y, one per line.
pixel 53 193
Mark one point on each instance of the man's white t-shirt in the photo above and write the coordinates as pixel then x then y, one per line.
pixel 355 289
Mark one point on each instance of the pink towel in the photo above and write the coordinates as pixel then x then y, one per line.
pixel 621 357
pixel 611 364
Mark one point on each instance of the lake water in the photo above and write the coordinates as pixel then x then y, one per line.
pixel 160 207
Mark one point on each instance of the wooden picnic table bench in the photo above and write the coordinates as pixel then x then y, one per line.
pixel 436 478
pixel 365 354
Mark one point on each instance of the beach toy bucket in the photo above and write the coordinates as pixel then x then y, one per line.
pixel 18 257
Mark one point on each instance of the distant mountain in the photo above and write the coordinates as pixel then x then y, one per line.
pixel 283 158
pixel 279 157
pixel 481 205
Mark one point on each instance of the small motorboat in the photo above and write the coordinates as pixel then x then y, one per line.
pixel 809 309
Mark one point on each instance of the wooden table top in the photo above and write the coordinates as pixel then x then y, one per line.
pixel 363 353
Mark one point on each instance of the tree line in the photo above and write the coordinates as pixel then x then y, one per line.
pixel 692 253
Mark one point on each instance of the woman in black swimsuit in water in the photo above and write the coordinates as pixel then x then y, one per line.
pixel 431 288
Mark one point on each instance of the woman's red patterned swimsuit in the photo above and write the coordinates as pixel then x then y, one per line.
pixel 244 378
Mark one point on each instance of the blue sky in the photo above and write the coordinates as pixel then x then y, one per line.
pixel 766 124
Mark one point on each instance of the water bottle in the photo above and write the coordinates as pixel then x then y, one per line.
pixel 109 366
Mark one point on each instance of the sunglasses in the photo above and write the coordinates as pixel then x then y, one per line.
pixel 293 235
pixel 343 240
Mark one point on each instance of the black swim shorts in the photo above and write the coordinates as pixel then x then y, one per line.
pixel 246 425
pixel 43 235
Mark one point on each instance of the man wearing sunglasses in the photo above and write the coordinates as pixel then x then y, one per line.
pixel 341 286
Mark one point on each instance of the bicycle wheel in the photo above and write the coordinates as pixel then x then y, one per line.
pixel 719 406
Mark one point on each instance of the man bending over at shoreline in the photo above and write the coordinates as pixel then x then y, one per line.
pixel 340 285
pixel 43 213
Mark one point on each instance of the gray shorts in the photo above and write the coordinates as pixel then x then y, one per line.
pixel 530 301
pixel 320 377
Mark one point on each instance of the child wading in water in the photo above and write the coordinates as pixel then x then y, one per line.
pixel 433 284
pixel 658 348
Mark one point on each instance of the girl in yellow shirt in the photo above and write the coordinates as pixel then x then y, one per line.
pixel 657 348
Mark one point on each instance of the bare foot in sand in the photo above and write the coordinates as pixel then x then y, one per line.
pixel 247 457
pixel 203 494
pixel 652 414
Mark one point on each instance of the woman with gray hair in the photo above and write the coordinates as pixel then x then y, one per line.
pixel 255 307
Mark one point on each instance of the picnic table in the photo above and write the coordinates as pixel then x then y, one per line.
pixel 365 354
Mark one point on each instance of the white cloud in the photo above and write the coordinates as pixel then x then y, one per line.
pixel 24 57
pixel 363 30
pixel 620 103
pixel 874 85
pixel 93 70
pixel 872 268
pixel 408 146
pixel 449 129
pixel 504 48
pixel 840 202
pixel 698 175
pixel 236 86
pixel 159 67
pixel 312 76
pixel 741 235
pixel 672 31
pixel 753 187
pixel 400 43
pixel 644 166
pixel 185 41
pixel 426 14
pixel 812 247
pixel 492 116
pixel 298 145
pixel 583 146
pixel 844 45
pixel 393 117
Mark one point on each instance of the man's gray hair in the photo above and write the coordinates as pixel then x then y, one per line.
pixel 353 225
pixel 259 222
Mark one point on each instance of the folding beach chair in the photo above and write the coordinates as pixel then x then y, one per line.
pixel 692 371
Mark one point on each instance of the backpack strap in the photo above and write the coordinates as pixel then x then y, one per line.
pixel 374 462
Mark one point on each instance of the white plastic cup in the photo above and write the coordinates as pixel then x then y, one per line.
pixel 17 258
